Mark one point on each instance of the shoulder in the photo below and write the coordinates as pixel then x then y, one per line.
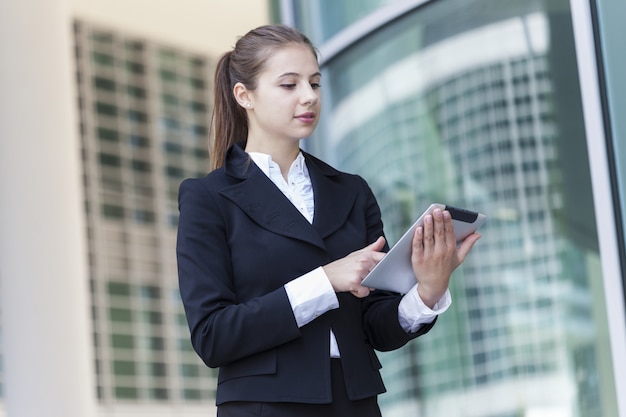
pixel 316 164
pixel 204 191
pixel 313 162
pixel 207 183
pixel 316 167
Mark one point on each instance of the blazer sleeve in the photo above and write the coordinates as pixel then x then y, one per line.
pixel 222 329
pixel 380 309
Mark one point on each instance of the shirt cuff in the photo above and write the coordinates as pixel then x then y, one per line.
pixel 413 313
pixel 311 295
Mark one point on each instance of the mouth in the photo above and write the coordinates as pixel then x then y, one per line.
pixel 308 117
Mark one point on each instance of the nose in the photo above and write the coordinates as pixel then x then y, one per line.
pixel 310 95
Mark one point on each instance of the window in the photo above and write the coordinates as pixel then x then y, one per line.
pixel 110 160
pixel 106 109
pixel 103 59
pixel 108 135
pixel 110 211
pixel 463 123
pixel 104 84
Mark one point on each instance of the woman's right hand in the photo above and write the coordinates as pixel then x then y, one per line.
pixel 346 274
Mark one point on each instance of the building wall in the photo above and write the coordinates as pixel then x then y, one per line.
pixel 144 121
pixel 140 109
pixel 205 26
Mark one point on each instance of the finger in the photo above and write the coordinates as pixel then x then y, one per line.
pixel 467 245
pixel 439 231
pixel 360 292
pixel 428 238
pixel 367 262
pixel 377 257
pixel 364 292
pixel 418 239
pixel 448 228
pixel 377 246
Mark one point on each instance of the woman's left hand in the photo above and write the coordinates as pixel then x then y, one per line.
pixel 435 255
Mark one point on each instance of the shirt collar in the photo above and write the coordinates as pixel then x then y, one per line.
pixel 265 163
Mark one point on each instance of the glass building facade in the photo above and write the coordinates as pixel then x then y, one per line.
pixel 492 106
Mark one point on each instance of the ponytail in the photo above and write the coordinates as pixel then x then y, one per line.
pixel 230 122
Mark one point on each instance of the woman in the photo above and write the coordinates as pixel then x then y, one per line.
pixel 273 245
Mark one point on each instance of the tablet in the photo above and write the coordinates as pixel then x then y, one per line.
pixel 395 272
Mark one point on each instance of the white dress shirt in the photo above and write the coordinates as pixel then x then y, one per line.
pixel 311 294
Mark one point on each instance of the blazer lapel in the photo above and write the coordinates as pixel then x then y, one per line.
pixel 263 202
pixel 333 200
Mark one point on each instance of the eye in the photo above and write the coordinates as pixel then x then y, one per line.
pixel 315 86
pixel 288 86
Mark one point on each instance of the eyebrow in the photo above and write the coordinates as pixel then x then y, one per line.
pixel 295 74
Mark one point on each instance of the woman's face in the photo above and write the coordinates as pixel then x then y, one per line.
pixel 286 104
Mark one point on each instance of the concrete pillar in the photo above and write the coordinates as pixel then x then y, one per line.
pixel 44 300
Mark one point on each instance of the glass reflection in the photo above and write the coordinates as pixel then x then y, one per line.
pixel 476 104
pixel 336 15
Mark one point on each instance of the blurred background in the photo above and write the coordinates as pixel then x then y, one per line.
pixel 510 108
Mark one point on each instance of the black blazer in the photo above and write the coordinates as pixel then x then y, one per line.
pixel 239 241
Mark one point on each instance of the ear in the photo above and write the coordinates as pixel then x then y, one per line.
pixel 243 96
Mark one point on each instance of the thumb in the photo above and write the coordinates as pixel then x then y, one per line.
pixel 467 245
pixel 377 245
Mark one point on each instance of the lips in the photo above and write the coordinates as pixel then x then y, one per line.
pixel 307 117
